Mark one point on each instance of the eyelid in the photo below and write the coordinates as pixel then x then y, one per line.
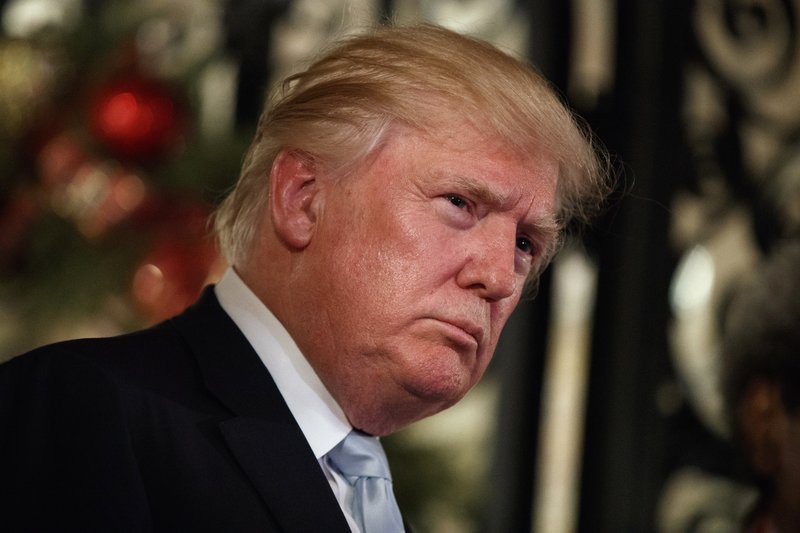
pixel 525 263
pixel 451 195
pixel 469 205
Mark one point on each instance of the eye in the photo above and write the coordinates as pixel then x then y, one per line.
pixel 456 210
pixel 456 201
pixel 525 244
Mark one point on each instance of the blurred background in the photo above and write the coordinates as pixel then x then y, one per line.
pixel 122 123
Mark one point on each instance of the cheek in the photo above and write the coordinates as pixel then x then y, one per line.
pixel 374 269
pixel 413 250
pixel 500 313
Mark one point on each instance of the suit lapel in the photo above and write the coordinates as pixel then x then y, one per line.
pixel 262 435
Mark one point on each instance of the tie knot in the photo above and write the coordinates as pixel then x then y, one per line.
pixel 360 459
pixel 360 455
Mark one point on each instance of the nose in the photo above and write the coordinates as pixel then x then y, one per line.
pixel 490 266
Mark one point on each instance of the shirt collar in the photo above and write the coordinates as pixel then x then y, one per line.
pixel 320 418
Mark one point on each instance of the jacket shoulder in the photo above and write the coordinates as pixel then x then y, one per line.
pixel 159 359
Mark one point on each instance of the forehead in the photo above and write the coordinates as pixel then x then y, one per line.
pixel 478 162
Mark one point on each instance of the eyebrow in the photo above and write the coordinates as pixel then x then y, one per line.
pixel 479 190
pixel 542 227
pixel 545 227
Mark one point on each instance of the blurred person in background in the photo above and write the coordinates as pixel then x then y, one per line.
pixel 761 351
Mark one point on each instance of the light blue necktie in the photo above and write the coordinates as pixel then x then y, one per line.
pixel 361 461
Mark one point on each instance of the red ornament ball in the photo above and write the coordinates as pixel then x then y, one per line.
pixel 136 118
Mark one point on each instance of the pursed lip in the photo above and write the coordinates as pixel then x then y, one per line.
pixel 470 328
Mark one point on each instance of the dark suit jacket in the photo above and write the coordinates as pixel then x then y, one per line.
pixel 175 428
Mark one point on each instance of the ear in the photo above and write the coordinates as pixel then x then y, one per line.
pixel 760 413
pixel 293 193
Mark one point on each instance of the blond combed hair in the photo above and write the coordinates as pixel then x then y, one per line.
pixel 338 110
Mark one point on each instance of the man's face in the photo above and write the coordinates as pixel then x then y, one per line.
pixel 417 261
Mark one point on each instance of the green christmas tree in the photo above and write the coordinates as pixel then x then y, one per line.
pixel 117 138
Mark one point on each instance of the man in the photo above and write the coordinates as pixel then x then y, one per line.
pixel 396 200
pixel 761 354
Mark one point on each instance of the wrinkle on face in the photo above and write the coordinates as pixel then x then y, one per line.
pixel 395 283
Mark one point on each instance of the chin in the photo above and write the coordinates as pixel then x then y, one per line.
pixel 441 383
pixel 417 401
pixel 417 388
pixel 428 397
pixel 438 392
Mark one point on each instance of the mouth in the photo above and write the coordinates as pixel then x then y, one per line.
pixel 462 332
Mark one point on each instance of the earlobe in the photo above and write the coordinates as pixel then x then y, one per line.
pixel 293 192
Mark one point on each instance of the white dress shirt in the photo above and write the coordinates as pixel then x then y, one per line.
pixel 320 418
